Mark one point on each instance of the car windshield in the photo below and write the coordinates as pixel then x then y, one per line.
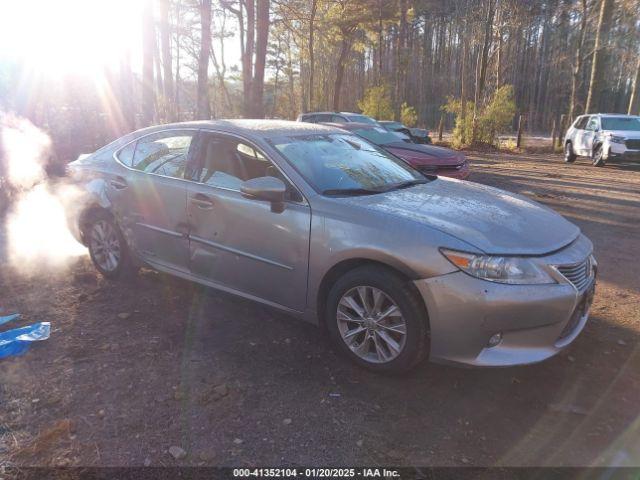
pixel 362 119
pixel 379 135
pixel 394 125
pixel 631 124
pixel 336 163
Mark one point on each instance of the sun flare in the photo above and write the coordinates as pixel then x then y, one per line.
pixel 69 36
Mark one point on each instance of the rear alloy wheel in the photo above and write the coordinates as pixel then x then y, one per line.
pixel 107 248
pixel 569 156
pixel 598 156
pixel 377 319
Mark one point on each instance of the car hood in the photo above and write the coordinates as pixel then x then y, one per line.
pixel 628 134
pixel 418 154
pixel 492 220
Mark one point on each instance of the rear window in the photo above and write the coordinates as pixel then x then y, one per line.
pixel 362 119
pixel 379 135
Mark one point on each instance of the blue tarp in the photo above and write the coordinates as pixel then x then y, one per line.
pixel 17 341
pixel 9 318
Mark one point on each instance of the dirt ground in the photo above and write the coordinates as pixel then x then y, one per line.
pixel 134 369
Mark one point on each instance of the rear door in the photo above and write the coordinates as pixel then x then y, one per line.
pixel 155 194
pixel 242 243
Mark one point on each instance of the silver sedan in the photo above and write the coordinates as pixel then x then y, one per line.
pixel 314 221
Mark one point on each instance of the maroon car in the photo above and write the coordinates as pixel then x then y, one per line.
pixel 425 158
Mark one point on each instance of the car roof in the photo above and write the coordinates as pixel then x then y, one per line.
pixel 252 128
pixel 351 125
pixel 318 113
pixel 345 114
pixel 606 115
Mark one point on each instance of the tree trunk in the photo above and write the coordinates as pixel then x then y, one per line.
pixel 345 48
pixel 380 41
pixel 598 66
pixel 577 63
pixel 482 69
pixel 203 106
pixel 262 36
pixel 126 94
pixel 247 58
pixel 312 18
pixel 176 100
pixel 165 40
pixel 499 50
pixel 400 60
pixel 463 93
pixel 634 101
pixel 148 46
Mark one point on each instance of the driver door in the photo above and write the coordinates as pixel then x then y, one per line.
pixel 243 244
pixel 589 137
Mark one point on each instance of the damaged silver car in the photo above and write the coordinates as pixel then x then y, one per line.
pixel 319 223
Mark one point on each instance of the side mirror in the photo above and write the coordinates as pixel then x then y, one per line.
pixel 270 189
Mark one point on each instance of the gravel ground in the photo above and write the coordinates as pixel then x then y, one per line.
pixel 132 370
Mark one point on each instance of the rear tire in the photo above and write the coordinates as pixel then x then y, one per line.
pixel 108 248
pixel 386 330
pixel 569 156
pixel 598 156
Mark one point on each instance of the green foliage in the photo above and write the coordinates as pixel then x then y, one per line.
pixel 464 121
pixel 376 103
pixel 408 115
pixel 492 120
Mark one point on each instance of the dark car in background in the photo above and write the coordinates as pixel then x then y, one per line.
pixel 427 159
pixel 417 135
pixel 336 117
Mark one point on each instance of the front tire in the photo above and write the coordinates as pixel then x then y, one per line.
pixel 108 248
pixel 376 318
pixel 598 156
pixel 569 156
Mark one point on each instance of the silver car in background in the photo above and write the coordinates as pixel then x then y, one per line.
pixel 319 223
pixel 603 137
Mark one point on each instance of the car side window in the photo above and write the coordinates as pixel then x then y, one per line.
pixel 163 153
pixel 582 123
pixel 323 117
pixel 125 155
pixel 226 162
pixel 338 119
pixel 592 125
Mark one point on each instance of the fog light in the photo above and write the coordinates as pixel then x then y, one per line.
pixel 495 339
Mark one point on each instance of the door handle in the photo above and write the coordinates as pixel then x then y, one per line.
pixel 119 183
pixel 202 201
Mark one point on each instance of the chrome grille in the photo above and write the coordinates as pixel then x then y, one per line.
pixel 580 274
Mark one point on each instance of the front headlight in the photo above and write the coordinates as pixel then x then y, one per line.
pixel 616 139
pixel 512 270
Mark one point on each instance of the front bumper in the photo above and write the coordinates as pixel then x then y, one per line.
pixel 535 321
pixel 619 151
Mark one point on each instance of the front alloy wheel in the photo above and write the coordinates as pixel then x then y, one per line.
pixel 371 324
pixel 376 317
pixel 598 156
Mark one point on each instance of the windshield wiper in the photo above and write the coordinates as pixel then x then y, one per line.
pixel 349 191
pixel 407 184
